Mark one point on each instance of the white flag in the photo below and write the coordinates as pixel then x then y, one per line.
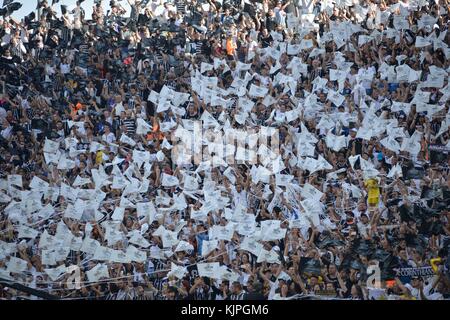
pixel 209 270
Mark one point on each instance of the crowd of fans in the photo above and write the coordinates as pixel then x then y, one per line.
pixel 354 204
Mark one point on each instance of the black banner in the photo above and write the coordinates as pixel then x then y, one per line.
pixel 410 272
pixel 438 147
pixel 34 292
pixel 231 310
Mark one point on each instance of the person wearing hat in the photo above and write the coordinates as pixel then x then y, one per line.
pixel 313 285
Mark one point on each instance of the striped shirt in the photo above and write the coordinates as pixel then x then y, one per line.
pixel 158 283
pixel 239 296
pixel 18 50
pixel 198 47
pixel 181 6
pixel 66 34
pixel 107 84
pixel 26 126
pixel 141 297
pixel 166 66
pixel 17 113
pixel 200 294
pixel 130 124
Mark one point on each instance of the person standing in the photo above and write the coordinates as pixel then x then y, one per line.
pixel 237 293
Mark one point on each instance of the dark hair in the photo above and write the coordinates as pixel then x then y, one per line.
pixel 172 289
pixel 359 291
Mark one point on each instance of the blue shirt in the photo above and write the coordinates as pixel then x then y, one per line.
pixel 200 238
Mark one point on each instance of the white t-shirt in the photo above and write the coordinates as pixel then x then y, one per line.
pixel 2 114
pixel 426 291
pixel 6 133
pixel 252 45
pixel 65 68
pixel 110 137
pixel 306 6
pixel 118 109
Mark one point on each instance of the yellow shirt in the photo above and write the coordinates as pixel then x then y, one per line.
pixel 99 157
pixel 373 190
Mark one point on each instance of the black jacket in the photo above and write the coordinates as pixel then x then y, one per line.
pixel 254 296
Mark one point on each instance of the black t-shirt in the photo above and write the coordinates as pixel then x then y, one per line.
pixel 22 153
pixel 216 292
pixel 193 272
pixel 271 24
pixel 334 281
pixel 161 43
pixel 206 47
pixel 98 87
pixel 291 7
pixel 265 41
pixel 349 285
pixel 39 124
pixel 358 145
pixel 250 9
